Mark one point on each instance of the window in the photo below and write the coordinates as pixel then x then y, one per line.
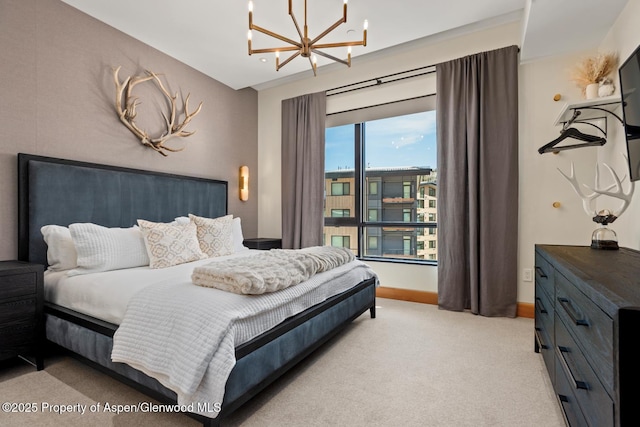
pixel 340 241
pixel 340 189
pixel 340 213
pixel 406 190
pixel 432 244
pixel 380 169
pixel 406 240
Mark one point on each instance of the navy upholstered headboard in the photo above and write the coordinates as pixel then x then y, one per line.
pixel 62 192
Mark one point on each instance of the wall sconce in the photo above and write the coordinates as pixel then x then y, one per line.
pixel 244 183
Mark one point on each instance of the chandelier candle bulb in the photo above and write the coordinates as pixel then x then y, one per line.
pixel 364 37
pixel 250 14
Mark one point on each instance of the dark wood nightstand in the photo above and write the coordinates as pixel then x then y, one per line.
pixel 263 243
pixel 21 322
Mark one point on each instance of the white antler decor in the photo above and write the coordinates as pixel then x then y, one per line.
pixel 602 217
pixel 126 110
pixel 603 237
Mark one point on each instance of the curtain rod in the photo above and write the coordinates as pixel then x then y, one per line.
pixel 377 81
pixel 384 103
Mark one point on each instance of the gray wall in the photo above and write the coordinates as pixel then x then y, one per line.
pixel 57 95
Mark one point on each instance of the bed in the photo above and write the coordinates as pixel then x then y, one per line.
pixel 63 192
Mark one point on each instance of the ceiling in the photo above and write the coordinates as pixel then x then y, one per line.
pixel 211 35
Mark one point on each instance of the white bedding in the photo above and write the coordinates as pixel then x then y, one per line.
pixel 105 295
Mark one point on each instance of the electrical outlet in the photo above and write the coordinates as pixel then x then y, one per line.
pixel 527 275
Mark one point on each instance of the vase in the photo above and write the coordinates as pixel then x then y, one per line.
pixel 591 91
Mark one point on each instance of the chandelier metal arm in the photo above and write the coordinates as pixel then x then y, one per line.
pixel 280 65
pixel 276 49
pixel 341 44
pixel 274 35
pixel 313 66
pixel 328 30
pixel 333 58
pixel 295 22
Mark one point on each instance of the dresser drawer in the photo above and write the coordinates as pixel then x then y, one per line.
pixel 17 285
pixel 543 310
pixel 591 327
pixel 544 274
pixel 595 403
pixel 17 311
pixel 568 402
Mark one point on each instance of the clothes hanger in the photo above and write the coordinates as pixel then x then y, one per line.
pixel 588 141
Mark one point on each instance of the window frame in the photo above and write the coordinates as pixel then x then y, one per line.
pixel 359 222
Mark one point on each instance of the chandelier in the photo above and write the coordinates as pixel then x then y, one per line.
pixel 306 47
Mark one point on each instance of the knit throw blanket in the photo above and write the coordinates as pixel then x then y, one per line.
pixel 270 271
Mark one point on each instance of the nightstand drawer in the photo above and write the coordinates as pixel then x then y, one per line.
pixel 17 339
pixel 591 327
pixel 17 311
pixel 17 285
pixel 596 404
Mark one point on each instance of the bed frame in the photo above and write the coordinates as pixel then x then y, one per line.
pixel 57 191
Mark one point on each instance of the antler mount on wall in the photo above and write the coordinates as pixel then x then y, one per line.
pixel 126 105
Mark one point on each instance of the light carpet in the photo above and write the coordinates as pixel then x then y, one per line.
pixel 414 365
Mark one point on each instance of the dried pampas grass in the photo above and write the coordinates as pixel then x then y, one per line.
pixel 593 69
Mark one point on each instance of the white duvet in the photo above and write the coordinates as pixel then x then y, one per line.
pixel 185 335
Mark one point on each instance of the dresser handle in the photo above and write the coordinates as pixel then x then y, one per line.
pixel 541 273
pixel 568 307
pixel 539 340
pixel 540 307
pixel 565 367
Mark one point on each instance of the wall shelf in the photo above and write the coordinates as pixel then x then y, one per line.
pixel 583 112
pixel 590 109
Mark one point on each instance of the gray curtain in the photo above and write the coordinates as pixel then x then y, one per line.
pixel 303 127
pixel 477 126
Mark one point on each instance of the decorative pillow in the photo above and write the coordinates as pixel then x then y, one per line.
pixel 238 238
pixel 170 244
pixel 215 234
pixel 61 252
pixel 104 249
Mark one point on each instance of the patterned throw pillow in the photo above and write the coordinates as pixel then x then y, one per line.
pixel 170 244
pixel 215 234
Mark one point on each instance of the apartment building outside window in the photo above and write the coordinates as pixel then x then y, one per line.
pixel 378 172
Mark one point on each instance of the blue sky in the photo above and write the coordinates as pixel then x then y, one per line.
pixel 397 141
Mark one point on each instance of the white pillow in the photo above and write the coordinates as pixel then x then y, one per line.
pixel 215 234
pixel 104 249
pixel 170 244
pixel 238 238
pixel 61 252
pixel 181 220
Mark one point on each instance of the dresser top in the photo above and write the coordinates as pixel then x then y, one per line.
pixel 611 277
